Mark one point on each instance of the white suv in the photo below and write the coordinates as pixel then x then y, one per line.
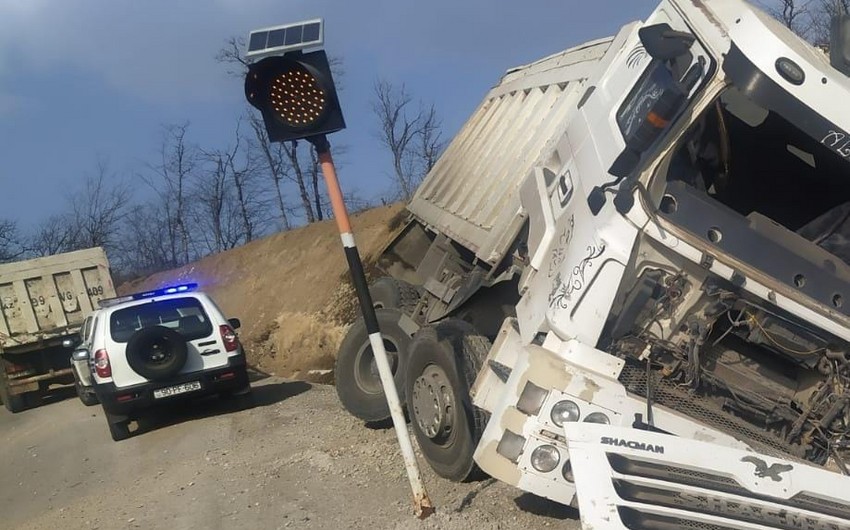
pixel 160 346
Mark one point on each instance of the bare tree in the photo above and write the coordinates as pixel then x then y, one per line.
pixel 170 180
pixel 411 135
pixel 272 159
pixel 52 236
pixel 810 19
pixel 822 19
pixel 97 210
pixel 231 55
pixel 297 176
pixel 11 247
pixel 145 247
pixel 212 191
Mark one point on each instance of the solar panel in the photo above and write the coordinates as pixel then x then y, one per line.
pixel 278 40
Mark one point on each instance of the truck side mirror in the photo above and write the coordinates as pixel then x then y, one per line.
pixel 839 45
pixel 663 42
pixel 234 323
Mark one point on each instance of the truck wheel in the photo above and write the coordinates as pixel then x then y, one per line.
pixel 444 360
pixel 390 293
pixel 119 426
pixel 156 352
pixel 358 384
pixel 14 404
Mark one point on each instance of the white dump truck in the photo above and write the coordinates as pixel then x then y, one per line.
pixel 44 303
pixel 626 283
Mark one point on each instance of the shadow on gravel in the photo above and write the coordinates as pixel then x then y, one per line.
pixel 262 395
pixel 544 507
pixel 469 497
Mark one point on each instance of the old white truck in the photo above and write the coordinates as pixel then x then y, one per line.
pixel 632 278
pixel 44 302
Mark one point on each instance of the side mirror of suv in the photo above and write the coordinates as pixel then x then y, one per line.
pixel 234 323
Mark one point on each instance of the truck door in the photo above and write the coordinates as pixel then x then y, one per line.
pixel 586 249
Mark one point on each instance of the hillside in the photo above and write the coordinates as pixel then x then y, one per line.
pixel 290 290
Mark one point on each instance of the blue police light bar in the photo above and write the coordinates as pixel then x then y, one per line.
pixel 165 290
pixel 278 40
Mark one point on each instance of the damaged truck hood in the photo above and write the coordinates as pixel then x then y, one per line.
pixel 628 478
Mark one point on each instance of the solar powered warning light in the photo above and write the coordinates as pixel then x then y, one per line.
pixel 293 89
pixel 295 92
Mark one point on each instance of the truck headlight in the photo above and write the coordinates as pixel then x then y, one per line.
pixel 565 411
pixel 567 472
pixel 545 458
pixel 598 417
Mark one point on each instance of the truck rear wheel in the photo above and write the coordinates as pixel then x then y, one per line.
pixel 358 384
pixel 12 403
pixel 444 360
pixel 390 293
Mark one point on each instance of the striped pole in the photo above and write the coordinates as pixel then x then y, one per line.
pixel 421 502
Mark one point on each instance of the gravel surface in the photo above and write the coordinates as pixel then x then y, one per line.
pixel 295 460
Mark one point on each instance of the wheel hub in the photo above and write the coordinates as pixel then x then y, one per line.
pixel 433 403
pixel 366 368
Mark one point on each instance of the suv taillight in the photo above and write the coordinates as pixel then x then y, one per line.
pixel 231 341
pixel 101 364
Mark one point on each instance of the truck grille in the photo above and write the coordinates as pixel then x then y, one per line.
pixel 649 488
pixel 668 394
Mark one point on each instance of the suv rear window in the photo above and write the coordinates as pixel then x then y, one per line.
pixel 184 315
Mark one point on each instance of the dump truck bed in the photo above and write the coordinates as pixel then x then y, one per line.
pixel 49 297
pixel 472 193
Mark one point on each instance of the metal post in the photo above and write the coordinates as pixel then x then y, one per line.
pixel 421 502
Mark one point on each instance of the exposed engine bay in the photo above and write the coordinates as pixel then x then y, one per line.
pixel 696 343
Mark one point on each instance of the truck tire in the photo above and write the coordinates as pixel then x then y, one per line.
pixel 390 293
pixel 156 352
pixel 358 384
pixel 13 404
pixel 444 361
pixel 119 426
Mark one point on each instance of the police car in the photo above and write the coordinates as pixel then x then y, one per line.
pixel 159 347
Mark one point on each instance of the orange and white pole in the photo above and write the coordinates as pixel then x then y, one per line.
pixel 421 502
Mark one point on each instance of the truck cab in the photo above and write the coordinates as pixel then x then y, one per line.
pixel 647 235
pixel 694 281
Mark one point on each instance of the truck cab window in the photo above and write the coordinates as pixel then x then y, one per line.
pixel 758 163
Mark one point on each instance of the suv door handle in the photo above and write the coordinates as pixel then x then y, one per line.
pixel 210 352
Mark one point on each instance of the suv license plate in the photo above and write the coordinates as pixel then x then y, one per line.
pixel 177 389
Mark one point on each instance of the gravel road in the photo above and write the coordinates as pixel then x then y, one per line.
pixel 295 460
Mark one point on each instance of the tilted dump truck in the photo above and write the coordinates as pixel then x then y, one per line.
pixel 44 302
pixel 625 285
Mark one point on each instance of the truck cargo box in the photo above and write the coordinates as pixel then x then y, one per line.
pixel 49 297
pixel 472 193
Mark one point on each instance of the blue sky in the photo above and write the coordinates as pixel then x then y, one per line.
pixel 82 79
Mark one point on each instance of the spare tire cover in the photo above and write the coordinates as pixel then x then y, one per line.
pixel 156 352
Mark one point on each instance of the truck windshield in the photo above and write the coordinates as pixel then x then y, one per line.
pixel 761 163
pixel 184 315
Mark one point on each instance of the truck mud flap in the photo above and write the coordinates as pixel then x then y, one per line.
pixel 628 478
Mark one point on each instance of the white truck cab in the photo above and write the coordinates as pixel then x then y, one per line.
pixel 653 230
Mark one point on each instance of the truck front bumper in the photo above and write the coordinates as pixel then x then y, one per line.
pixel 125 400
pixel 520 386
pixel 628 478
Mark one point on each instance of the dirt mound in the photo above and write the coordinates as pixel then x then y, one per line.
pixel 291 290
